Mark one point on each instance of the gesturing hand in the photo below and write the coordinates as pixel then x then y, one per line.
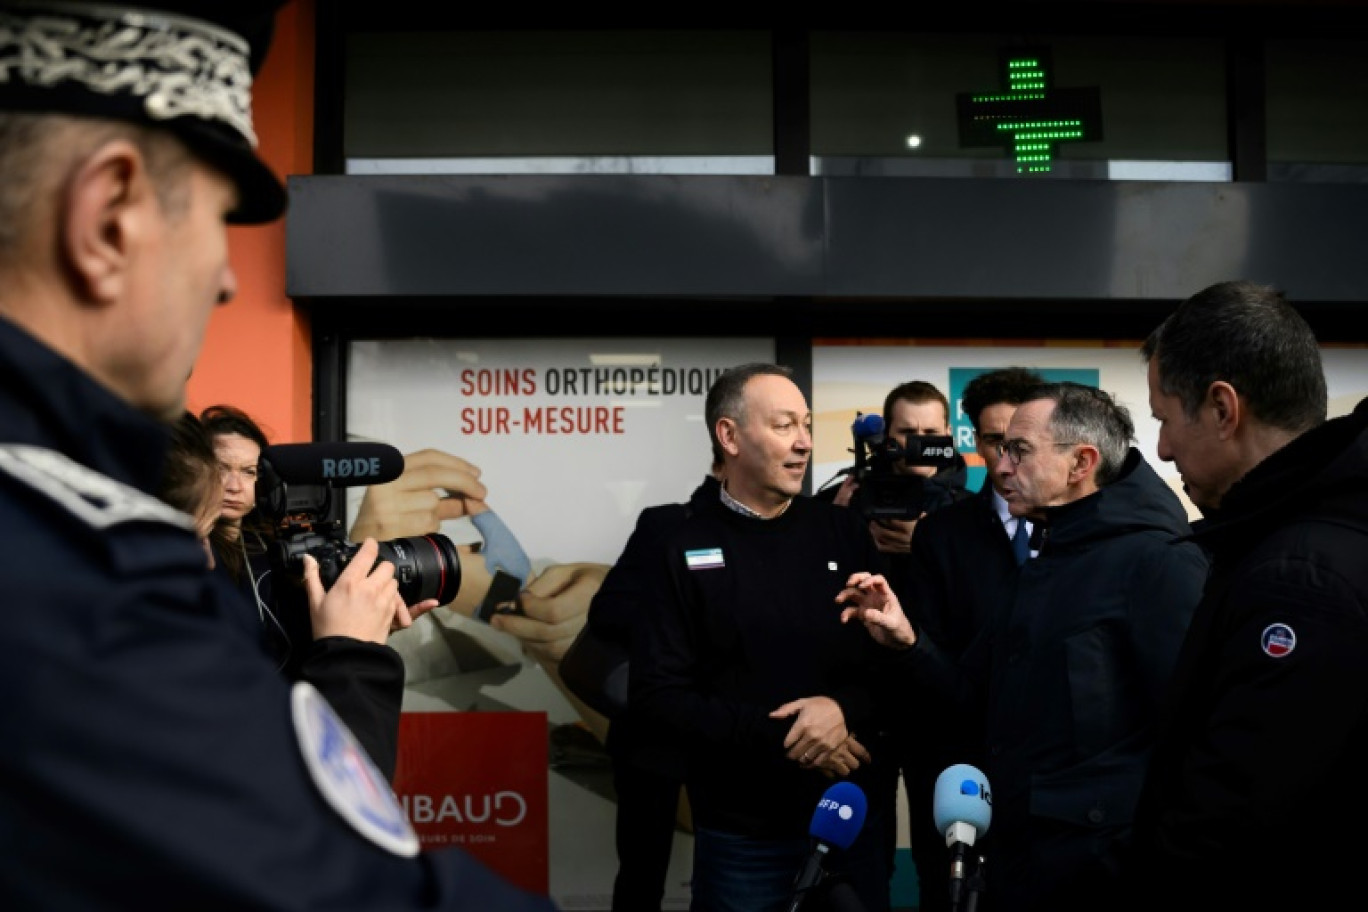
pixel 868 598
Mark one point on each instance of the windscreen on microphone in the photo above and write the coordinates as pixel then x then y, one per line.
pixel 963 797
pixel 337 465
pixel 867 427
pixel 839 815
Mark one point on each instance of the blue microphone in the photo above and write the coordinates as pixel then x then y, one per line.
pixel 868 427
pixel 963 808
pixel 963 804
pixel 835 824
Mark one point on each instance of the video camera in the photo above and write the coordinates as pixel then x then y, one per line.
pixel 884 492
pixel 296 486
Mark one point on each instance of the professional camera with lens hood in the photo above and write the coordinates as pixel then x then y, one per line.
pixel 297 487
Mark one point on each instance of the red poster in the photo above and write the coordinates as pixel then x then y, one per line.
pixel 477 780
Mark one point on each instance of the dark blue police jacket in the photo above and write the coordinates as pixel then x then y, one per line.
pixel 154 757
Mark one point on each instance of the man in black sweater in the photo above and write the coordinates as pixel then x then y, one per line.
pixel 745 664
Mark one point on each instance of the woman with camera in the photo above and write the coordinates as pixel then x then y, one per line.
pixel 342 653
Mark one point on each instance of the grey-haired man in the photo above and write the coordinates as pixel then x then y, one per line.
pixel 155 757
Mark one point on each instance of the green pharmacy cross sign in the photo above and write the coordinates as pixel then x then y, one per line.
pixel 1028 116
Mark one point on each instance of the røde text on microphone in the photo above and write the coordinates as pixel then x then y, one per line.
pixel 338 465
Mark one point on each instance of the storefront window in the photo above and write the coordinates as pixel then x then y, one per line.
pixel 559 102
pixel 889 104
pixel 1317 99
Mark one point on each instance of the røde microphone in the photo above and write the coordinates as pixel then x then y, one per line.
pixel 835 824
pixel 337 465
pixel 963 808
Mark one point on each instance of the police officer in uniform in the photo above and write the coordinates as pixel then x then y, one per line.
pixel 155 758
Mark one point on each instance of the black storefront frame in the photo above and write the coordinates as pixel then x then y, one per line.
pixel 859 267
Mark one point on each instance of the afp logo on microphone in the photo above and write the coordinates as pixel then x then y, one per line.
pixel 842 809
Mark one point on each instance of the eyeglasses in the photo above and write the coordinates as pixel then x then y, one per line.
pixel 1018 450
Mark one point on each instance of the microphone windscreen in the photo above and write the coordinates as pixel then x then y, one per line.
pixel 962 796
pixel 839 815
pixel 338 465
pixel 867 426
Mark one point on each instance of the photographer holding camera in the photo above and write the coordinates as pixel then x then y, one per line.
pixel 901 474
pixel 903 468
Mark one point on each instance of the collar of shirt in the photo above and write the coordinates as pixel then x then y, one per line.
pixel 737 506
pixel 1009 523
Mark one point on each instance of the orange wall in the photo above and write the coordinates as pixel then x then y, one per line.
pixel 257 354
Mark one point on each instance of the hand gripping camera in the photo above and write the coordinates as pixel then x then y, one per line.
pixel 296 487
pixel 884 492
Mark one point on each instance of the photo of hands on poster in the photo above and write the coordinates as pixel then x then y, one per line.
pixel 534 457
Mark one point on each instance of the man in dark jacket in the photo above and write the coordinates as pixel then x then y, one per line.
pixel 1253 799
pixel 156 757
pixel 1064 685
pixel 746 666
pixel 648 771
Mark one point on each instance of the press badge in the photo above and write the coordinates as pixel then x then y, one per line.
pixel 704 559
pixel 346 776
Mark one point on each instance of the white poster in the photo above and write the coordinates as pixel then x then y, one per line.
pixel 572 439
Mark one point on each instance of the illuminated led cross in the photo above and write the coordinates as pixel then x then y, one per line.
pixel 1028 116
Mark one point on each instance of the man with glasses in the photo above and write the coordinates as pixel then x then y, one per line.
pixel 1058 698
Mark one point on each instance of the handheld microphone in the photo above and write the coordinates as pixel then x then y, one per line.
pixel 963 804
pixel 835 824
pixel 337 465
pixel 962 808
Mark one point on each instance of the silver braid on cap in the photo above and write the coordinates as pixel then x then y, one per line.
pixel 176 65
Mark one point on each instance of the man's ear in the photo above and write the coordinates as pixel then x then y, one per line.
pixel 726 435
pixel 1224 403
pixel 101 218
pixel 1085 460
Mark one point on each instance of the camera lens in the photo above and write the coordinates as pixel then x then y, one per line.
pixel 426 566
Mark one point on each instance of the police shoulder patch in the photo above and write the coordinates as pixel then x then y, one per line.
pixel 346 776
pixel 97 499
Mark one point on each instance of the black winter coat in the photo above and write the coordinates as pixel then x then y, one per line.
pixel 1066 682
pixel 1254 799
pixel 155 757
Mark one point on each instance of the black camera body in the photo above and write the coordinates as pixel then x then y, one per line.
pixel 306 521
pixel 884 492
